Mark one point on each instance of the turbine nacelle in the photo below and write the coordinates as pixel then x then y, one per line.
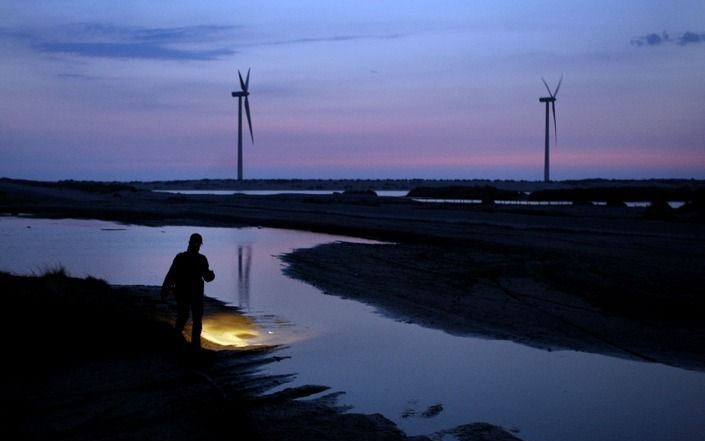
pixel 553 94
pixel 245 93
pixel 547 99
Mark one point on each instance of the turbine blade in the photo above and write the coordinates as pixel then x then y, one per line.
pixel 247 80
pixel 546 84
pixel 555 94
pixel 242 83
pixel 555 125
pixel 249 118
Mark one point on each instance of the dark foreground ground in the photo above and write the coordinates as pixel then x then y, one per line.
pixel 86 361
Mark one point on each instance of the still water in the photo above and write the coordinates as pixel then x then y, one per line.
pixel 388 193
pixel 384 366
pixel 400 193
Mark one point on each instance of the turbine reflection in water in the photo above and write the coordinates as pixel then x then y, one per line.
pixel 241 325
pixel 244 263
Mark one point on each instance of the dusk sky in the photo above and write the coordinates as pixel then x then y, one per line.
pixel 351 89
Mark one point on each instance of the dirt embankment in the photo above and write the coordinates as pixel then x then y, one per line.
pixel 647 309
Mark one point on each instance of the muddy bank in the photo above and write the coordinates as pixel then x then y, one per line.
pixel 87 361
pixel 646 307
pixel 385 218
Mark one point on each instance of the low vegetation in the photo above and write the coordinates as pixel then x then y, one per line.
pixel 486 193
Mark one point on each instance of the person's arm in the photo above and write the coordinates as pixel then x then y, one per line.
pixel 208 274
pixel 169 281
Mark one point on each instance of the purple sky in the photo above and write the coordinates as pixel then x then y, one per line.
pixel 351 89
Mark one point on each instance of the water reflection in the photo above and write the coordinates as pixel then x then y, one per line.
pixel 230 329
pixel 234 329
pixel 244 263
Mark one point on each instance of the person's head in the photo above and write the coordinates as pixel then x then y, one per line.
pixel 195 242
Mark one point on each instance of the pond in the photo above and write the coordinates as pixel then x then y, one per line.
pixel 400 370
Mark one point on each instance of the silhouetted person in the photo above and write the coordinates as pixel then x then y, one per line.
pixel 185 278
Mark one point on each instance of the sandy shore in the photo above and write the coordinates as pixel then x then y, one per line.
pixel 611 280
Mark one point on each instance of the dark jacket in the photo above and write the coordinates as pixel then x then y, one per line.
pixel 187 273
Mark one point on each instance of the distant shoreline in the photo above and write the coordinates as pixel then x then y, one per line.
pixel 376 184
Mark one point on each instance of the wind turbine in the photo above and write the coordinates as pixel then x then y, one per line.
pixel 242 93
pixel 551 99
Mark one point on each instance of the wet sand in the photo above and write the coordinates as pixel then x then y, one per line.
pixel 611 280
pixel 557 301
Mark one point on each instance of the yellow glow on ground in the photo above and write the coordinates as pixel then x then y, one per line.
pixel 230 329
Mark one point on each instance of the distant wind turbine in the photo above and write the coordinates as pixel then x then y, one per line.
pixel 552 100
pixel 242 93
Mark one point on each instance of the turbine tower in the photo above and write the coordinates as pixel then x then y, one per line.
pixel 551 99
pixel 242 93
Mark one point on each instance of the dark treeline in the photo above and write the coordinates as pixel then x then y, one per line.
pixel 614 194
pixel 621 194
pixel 485 193
pixel 88 186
